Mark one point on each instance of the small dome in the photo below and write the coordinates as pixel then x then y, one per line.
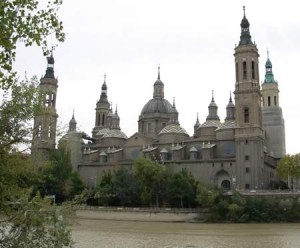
pixel 213 104
pixel 268 63
pixel 157 105
pixel 245 23
pixel 211 123
pixel 227 124
pixel 158 82
pixel 102 131
pixel 114 133
pixel 173 129
pixel 104 86
pixel 50 59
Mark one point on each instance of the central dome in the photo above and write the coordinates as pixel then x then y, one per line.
pixel 157 105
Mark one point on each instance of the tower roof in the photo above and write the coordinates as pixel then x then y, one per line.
pixel 103 96
pixel 269 76
pixel 50 67
pixel 245 38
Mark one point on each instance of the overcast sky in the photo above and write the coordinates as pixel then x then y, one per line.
pixel 192 40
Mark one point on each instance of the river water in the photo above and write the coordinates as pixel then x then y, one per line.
pixel 127 234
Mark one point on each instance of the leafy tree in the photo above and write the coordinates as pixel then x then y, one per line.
pixel 181 189
pixel 125 187
pixel 207 195
pixel 289 169
pixel 55 174
pixel 151 179
pixel 75 185
pixel 16 111
pixel 27 220
pixel 27 22
pixel 104 191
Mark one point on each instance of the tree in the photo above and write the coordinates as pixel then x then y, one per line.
pixel 55 174
pixel 289 169
pixel 27 220
pixel 27 22
pixel 181 189
pixel 125 187
pixel 151 179
pixel 104 191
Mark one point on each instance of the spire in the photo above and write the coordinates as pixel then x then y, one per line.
pixel 103 96
pixel 197 124
pixel 72 124
pixel 158 75
pixel 212 109
pixel 174 113
pixel 230 110
pixel 116 111
pixel 50 67
pixel 115 122
pixel 269 77
pixel 245 38
pixel 212 96
pixel 158 91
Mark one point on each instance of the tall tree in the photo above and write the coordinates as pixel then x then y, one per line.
pixel 27 22
pixel 27 220
pixel 151 178
pixel 289 169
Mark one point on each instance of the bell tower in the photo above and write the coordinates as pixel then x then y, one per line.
pixel 44 131
pixel 102 110
pixel 249 133
pixel 273 121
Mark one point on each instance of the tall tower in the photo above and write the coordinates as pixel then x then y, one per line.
pixel 273 121
pixel 248 116
pixel 102 110
pixel 44 131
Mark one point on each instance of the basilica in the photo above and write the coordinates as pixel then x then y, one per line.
pixel 240 152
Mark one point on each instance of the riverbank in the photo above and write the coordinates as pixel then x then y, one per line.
pixel 143 214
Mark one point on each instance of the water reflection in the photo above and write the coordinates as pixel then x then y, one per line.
pixel 126 234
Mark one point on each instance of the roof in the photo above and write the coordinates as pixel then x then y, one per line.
pixel 173 128
pixel 227 124
pixel 157 105
pixel 211 123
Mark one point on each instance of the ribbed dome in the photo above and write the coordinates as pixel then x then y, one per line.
pixel 157 105
pixel 111 133
pixel 174 129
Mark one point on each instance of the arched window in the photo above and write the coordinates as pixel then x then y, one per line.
pixel 102 119
pixel 244 70
pixel 246 115
pixel 253 70
pixel 98 121
pixel 269 101
pixel 237 71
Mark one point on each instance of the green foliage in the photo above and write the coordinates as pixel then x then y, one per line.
pixel 207 195
pixel 289 169
pixel 104 192
pixel 33 223
pixel 27 220
pixel 181 189
pixel 75 185
pixel 16 111
pixel 151 179
pixel 25 22
pixel 125 188
pixel 56 177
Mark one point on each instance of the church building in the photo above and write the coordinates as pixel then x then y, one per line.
pixel 240 152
